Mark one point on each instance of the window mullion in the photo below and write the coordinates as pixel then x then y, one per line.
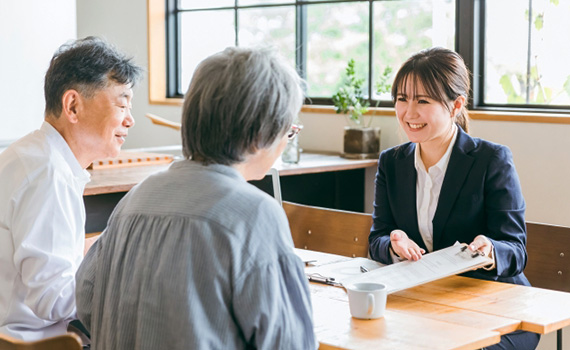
pixel 370 49
pixel 470 30
pixel 301 39
pixel 236 23
pixel 528 52
pixel 173 82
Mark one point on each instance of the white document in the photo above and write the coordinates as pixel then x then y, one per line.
pixel 314 258
pixel 432 266
pixel 338 272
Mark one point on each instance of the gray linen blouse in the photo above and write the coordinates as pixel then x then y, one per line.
pixel 195 258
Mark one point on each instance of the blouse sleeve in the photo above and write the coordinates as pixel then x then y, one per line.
pixel 85 279
pixel 272 306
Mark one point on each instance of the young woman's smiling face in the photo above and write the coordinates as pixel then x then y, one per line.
pixel 423 119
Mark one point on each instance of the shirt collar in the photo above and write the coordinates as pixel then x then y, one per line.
pixel 63 148
pixel 443 162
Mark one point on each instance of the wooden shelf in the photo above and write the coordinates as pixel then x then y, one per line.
pixel 113 180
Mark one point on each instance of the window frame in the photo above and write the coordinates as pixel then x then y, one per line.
pixel 469 44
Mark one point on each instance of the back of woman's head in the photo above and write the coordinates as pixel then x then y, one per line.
pixel 443 75
pixel 239 100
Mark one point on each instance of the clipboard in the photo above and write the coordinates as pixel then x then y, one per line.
pixel 432 266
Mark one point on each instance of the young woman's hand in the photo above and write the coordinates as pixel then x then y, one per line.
pixel 481 244
pixel 405 247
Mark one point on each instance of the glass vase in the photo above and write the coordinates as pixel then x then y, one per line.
pixel 292 152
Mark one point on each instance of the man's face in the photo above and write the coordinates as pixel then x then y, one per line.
pixel 104 121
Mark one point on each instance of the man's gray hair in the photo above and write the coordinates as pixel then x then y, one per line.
pixel 239 100
pixel 86 65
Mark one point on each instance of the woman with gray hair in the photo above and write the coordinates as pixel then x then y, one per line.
pixel 195 257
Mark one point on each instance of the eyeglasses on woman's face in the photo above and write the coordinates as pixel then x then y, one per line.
pixel 294 130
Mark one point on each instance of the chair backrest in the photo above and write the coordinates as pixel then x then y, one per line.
pixel 69 341
pixel 548 248
pixel 328 230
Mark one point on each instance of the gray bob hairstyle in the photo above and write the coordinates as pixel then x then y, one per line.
pixel 239 100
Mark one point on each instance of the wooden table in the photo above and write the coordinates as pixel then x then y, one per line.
pixel 452 313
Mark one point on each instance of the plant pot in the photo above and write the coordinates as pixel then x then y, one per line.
pixel 361 143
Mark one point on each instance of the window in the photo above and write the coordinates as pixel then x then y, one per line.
pixel 318 37
pixel 511 46
pixel 524 51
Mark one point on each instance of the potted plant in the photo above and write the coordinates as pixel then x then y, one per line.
pixel 360 140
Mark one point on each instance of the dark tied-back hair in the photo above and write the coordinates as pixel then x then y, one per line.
pixel 443 75
pixel 240 100
pixel 86 65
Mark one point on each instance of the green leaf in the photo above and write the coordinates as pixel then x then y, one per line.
pixel 383 85
pixel 534 74
pixel 540 98
pixel 555 2
pixel 567 85
pixel 539 21
pixel 349 97
pixel 548 93
pixel 507 85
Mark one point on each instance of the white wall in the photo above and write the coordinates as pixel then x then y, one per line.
pixel 30 32
pixel 124 23
pixel 541 151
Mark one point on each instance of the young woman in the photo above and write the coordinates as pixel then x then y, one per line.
pixel 446 186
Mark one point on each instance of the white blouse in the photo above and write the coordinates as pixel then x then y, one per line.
pixel 428 187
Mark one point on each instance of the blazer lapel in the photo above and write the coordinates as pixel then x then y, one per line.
pixel 406 191
pixel 458 168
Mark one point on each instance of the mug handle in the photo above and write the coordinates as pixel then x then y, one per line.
pixel 370 302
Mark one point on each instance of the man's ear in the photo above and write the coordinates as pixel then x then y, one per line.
pixel 458 105
pixel 71 104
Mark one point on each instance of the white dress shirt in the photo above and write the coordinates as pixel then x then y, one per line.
pixel 42 235
pixel 428 187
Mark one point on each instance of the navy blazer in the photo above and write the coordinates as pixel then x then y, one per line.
pixel 480 194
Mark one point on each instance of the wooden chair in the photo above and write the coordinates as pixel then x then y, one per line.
pixel 548 265
pixel 328 230
pixel 69 341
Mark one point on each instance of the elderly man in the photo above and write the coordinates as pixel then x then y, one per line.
pixel 88 92
pixel 195 257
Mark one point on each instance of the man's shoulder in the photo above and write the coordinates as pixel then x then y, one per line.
pixel 32 148
pixel 29 160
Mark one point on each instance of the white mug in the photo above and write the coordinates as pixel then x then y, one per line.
pixel 367 300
